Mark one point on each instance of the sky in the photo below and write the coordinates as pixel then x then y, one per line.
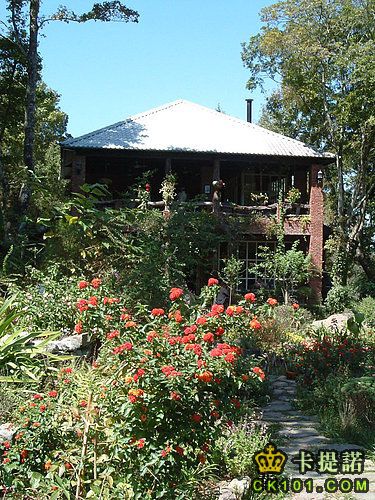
pixel 180 49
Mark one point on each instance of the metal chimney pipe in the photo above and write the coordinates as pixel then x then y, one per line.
pixel 249 105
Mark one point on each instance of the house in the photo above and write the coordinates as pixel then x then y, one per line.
pixel 204 147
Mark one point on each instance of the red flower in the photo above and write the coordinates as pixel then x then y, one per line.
pixel 127 346
pixel 217 309
pixel 258 371
pixel 93 301
pixel 235 402
pixel 295 306
pixel 37 396
pixel 178 317
pixel 52 394
pixel 141 443
pixel 24 454
pixel 165 452
pixel 148 187
pixel 78 327
pixel 151 336
pixel 272 302
pixel 42 408
pixel 230 311
pixel 189 330
pixel 175 396
pixel 130 324
pixel 208 337
pixel 220 330
pixel 113 334
pixel 83 403
pixel 6 445
pixel 250 297
pixel 201 321
pixel 205 377
pixel 254 323
pixel 212 282
pixel 96 282
pixel 230 358
pixel 196 417
pixel 67 370
pixel 82 305
pixel 176 293
pixel 125 317
pixel 158 312
pixel 82 284
pixel 215 414
pixel 179 450
pixel 170 371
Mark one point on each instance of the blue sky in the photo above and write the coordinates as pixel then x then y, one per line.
pixel 189 49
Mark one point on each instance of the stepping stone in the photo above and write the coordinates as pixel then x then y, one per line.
pixel 278 406
pixel 287 391
pixel 308 441
pixel 342 447
pixel 299 433
pixel 283 397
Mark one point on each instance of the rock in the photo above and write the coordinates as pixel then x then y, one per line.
pixel 68 344
pixel 333 322
pixel 234 490
pixel 7 432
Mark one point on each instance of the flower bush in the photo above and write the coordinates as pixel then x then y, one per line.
pixel 316 359
pixel 149 410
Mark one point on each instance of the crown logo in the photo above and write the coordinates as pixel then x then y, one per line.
pixel 270 460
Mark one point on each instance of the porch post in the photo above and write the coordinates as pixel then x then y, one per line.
pixel 216 194
pixel 316 230
pixel 78 173
pixel 168 166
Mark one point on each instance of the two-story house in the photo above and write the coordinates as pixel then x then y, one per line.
pixel 202 146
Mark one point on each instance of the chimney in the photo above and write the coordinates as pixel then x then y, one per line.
pixel 249 105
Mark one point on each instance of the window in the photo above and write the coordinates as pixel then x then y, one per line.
pixel 250 253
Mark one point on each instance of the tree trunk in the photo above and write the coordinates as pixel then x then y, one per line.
pixel 30 111
pixel 366 263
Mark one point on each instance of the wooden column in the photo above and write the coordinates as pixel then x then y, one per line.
pixel 168 166
pixel 216 194
pixel 78 173
pixel 316 230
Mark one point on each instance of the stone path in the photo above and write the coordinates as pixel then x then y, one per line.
pixel 301 433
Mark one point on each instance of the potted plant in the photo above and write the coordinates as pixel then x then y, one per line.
pixel 293 197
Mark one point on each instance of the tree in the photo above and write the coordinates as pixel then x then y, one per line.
pixel 320 53
pixel 22 30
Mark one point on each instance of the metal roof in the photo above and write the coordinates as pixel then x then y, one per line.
pixel 184 126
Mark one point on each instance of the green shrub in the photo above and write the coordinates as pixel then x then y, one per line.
pixel 236 448
pixel 339 298
pixel 367 308
pixel 345 406
pixel 360 393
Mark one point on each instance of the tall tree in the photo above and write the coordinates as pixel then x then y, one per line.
pixel 23 28
pixel 320 54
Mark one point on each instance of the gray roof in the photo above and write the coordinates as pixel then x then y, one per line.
pixel 185 126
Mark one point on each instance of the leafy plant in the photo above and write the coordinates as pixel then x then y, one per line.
pixel 231 274
pixel 293 195
pixel 20 360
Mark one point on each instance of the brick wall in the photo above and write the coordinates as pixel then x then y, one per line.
pixel 316 230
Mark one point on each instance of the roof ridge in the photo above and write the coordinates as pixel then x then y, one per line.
pixel 157 109
pixel 94 132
